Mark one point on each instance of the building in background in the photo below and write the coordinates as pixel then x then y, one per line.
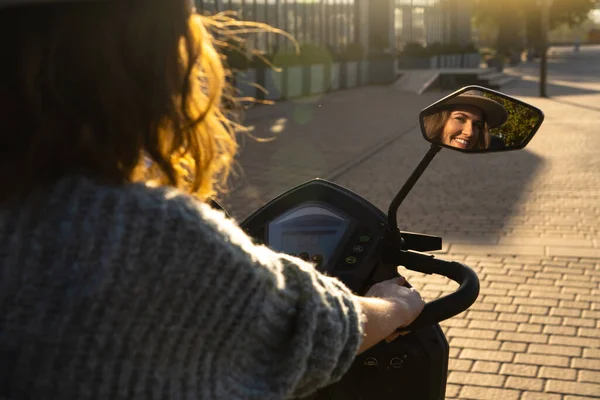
pixel 380 25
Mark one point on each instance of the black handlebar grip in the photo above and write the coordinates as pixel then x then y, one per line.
pixel 452 304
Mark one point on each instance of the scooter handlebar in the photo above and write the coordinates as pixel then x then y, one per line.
pixel 447 306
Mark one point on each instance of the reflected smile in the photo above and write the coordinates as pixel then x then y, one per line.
pixel 462 142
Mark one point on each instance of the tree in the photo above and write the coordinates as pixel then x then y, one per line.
pixel 520 124
pixel 519 21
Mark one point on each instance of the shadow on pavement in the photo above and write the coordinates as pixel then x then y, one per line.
pixel 463 198
pixel 574 104
pixel 530 87
pixel 316 138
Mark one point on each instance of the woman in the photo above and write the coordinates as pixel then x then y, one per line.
pixel 465 121
pixel 117 288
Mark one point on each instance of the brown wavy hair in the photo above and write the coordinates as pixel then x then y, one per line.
pixel 119 90
pixel 435 122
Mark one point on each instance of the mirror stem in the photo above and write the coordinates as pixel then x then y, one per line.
pixel 406 188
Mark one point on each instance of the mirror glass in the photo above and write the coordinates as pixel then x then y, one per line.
pixel 479 120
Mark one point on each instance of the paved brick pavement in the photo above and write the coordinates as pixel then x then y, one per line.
pixel 527 222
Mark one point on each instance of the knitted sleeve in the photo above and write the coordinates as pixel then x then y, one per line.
pixel 278 327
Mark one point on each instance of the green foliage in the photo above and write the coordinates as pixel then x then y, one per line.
pixel 415 50
pixel 353 52
pixel 520 123
pixel 309 54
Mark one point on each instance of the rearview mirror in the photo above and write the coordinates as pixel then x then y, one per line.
pixel 475 119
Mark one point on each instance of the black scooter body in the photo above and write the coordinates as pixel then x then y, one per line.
pixel 415 365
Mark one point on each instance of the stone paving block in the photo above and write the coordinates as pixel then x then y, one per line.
pixel 590 333
pixel 519 370
pixel 542 319
pixel 539 359
pixel 578 278
pixel 536 241
pixel 452 390
pixel 513 317
pixel 591 353
pixel 555 350
pixel 524 274
pixel 519 293
pixel 486 367
pixel 581 305
pixel 578 388
pixel 455 364
pixel 483 393
pixel 455 323
pixel 542 281
pixel 499 250
pixel 505 308
pixel 574 341
pixel 530 328
pixel 533 310
pixel 497 299
pixel 576 291
pixel 454 352
pixel 476 379
pixel 527 384
pixel 589 376
pixel 575 398
pixel 540 396
pixel 522 337
pixel 493 292
pixel 573 251
pixel 482 315
pixel 514 347
pixel 478 306
pixel 591 298
pixel 567 312
pixel 584 363
pixel 538 288
pixel 577 284
pixel 487 355
pixel 580 322
pixel 475 343
pixel 557 373
pixel 505 278
pixel 548 275
pixel 505 285
pixel 472 333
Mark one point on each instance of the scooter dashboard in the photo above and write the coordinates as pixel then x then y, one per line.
pixel 324 224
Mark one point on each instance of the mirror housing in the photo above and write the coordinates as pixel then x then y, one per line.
pixel 475 119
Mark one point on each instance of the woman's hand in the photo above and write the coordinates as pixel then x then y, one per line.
pixel 387 306
pixel 409 301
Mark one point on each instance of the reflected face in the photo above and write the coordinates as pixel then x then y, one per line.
pixel 463 127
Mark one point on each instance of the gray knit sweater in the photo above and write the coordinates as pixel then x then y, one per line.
pixel 138 293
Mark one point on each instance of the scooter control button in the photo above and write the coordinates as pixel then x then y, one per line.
pixel 370 362
pixel 358 249
pixel 305 256
pixel 365 239
pixel 350 260
pixel 396 362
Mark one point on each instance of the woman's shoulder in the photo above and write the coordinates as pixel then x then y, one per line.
pixel 159 211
